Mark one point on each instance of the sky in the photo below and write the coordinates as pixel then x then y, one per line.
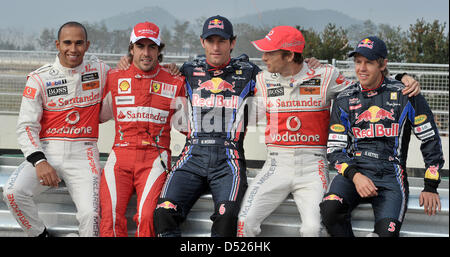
pixel 27 15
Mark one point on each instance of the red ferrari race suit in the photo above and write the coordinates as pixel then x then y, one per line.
pixel 58 121
pixel 297 111
pixel 142 104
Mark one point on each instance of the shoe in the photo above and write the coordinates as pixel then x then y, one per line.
pixel 45 233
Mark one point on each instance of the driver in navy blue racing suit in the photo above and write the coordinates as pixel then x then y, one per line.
pixel 369 134
pixel 218 88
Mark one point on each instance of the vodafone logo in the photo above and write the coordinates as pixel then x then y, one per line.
pixel 73 117
pixel 69 124
pixel 297 123
pixel 290 134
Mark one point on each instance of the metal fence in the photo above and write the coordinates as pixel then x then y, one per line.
pixel 15 65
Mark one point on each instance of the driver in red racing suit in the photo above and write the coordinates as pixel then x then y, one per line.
pixel 141 99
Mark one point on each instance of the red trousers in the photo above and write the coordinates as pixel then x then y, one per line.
pixel 130 170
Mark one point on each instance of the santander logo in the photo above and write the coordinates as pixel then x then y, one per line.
pixel 140 113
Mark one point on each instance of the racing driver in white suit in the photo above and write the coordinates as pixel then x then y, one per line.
pixel 57 132
pixel 296 101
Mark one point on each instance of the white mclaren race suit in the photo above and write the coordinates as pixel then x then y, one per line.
pixel 58 121
pixel 297 114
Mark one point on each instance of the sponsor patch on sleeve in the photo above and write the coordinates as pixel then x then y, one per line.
pixel 29 92
pixel 422 128
pixel 337 128
pixel 426 135
pixel 432 172
pixel 336 144
pixel 338 137
pixel 420 119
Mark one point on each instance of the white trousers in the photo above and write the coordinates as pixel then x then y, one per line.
pixel 77 163
pixel 300 172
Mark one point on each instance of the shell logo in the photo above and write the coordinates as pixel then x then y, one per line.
pixel 124 85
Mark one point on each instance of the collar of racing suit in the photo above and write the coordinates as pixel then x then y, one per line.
pixel 372 92
pixel 363 89
pixel 144 74
pixel 66 70
pixel 211 67
pixel 303 75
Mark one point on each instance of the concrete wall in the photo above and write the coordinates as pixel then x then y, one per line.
pixel 253 144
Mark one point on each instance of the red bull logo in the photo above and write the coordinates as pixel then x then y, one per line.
pixel 366 43
pixel 215 101
pixel 167 205
pixel 374 114
pixel 432 172
pixel 216 85
pixel 216 23
pixel 340 167
pixel 379 130
pixel 333 197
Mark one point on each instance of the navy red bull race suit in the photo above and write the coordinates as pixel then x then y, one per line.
pixel 213 157
pixel 369 133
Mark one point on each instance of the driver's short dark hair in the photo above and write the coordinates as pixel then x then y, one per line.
pixel 73 24
pixel 160 48
pixel 298 57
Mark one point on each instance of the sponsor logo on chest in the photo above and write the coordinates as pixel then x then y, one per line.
pixel 56 82
pixel 215 101
pixel 89 77
pixel 376 130
pixel 373 115
pixel 277 91
pixel 142 113
pixel 84 99
pixel 163 89
pixel 297 103
pixel 55 91
pixel 124 86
